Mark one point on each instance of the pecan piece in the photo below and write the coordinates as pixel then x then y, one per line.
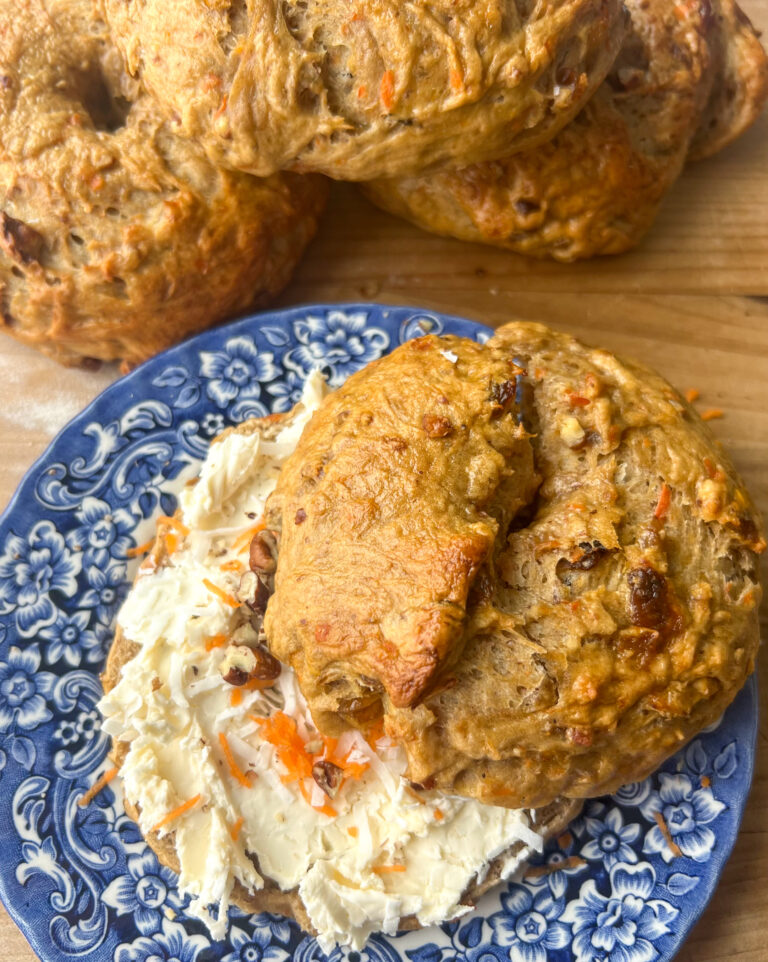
pixel 328 776
pixel 262 554
pixel 237 665
pixel 252 591
pixel 267 667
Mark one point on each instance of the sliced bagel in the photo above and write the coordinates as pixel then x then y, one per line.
pixel 265 894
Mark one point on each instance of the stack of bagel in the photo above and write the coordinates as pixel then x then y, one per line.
pixel 163 165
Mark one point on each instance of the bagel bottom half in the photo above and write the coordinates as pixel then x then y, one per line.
pixel 546 822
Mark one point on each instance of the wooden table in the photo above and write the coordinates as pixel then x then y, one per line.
pixel 692 301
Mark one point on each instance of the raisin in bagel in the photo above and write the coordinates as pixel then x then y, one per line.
pixel 615 618
pixel 597 186
pixel 117 237
pixel 166 843
pixel 374 89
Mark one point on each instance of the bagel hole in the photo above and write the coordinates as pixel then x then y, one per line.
pixel 107 112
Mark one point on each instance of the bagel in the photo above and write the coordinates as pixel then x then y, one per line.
pixel 378 88
pixel 615 617
pixel 597 186
pixel 156 715
pixel 740 86
pixel 117 237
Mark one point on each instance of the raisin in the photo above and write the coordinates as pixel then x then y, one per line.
pixel 502 397
pixel 649 602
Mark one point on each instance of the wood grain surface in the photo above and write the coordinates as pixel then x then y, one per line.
pixel 692 302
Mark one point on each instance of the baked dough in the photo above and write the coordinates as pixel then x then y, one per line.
pixel 597 186
pixel 390 505
pixel 117 237
pixel 616 619
pixel 549 821
pixel 372 88
pixel 740 86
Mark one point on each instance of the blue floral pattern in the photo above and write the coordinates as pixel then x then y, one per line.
pixel 623 925
pixel 24 690
pixel 530 926
pixel 623 884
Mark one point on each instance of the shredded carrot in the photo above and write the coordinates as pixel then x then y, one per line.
pixel 565 840
pixel 711 469
pixel 220 593
pixel 280 730
pixel 362 91
pixel 352 830
pixel 711 414
pixel 258 684
pixel 662 505
pixel 673 846
pixel 177 812
pixel 140 549
pixel 691 395
pixel 438 815
pixel 577 401
pixel 215 641
pixel 457 80
pixel 706 781
pixel 234 768
pixel 388 869
pixel 236 697
pixel 375 732
pixel 94 790
pixel 235 830
pixel 246 537
pixel 387 89
pixel 171 542
pixel 233 565
pixel 542 546
pixel 174 523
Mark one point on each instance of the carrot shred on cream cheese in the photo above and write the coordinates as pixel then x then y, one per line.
pixel 248 774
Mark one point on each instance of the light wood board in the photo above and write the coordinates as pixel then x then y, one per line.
pixel 692 302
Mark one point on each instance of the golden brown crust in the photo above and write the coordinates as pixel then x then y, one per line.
pixel 549 821
pixel 740 87
pixel 380 89
pixel 597 186
pixel 375 567
pixel 624 616
pixel 117 237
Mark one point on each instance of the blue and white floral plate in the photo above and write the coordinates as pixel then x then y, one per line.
pixel 80 881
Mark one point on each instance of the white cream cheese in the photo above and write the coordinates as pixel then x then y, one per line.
pixel 383 853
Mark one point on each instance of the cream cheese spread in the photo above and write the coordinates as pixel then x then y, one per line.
pixel 200 763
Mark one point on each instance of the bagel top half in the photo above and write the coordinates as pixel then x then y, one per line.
pixel 370 89
pixel 222 765
pixel 612 615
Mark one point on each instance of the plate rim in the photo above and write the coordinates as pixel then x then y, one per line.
pixel 283 316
